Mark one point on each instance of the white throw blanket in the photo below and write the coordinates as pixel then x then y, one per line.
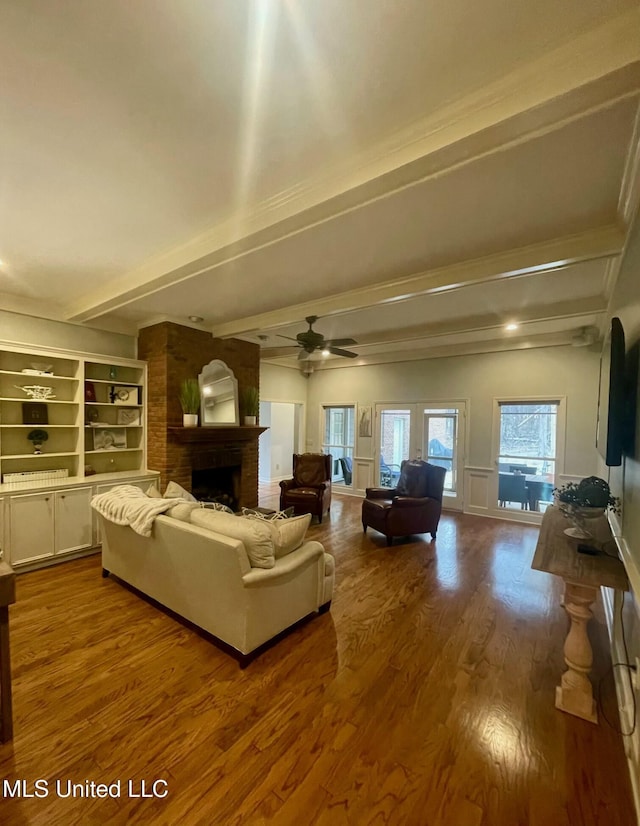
pixel 128 505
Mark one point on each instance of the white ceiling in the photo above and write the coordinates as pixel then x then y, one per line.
pixel 416 174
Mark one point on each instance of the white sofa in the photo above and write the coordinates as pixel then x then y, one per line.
pixel 206 578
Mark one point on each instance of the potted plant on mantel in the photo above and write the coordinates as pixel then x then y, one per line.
pixel 585 500
pixel 250 405
pixel 189 397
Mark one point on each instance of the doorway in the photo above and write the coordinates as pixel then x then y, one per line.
pixel 431 430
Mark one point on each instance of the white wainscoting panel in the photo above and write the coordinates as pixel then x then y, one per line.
pixel 363 476
pixel 477 485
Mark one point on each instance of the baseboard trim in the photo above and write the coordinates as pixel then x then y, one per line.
pixel 623 695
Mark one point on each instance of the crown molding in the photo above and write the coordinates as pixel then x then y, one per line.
pixel 560 339
pixel 594 70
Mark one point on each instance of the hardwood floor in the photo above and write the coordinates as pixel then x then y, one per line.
pixel 425 697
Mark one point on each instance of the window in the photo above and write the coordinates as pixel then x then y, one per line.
pixel 529 449
pixel 338 440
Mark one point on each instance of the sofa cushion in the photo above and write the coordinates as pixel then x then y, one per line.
pixel 176 491
pixel 255 534
pixel 287 534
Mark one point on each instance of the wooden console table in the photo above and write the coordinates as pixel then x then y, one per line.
pixel 556 553
pixel 7 598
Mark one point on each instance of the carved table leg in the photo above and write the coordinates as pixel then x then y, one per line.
pixel 575 693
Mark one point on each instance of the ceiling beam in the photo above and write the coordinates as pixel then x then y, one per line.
pixel 556 254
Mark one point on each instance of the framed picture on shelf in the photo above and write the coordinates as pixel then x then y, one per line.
pixel 34 413
pixel 123 394
pixel 112 438
pixel 89 391
pixel 129 418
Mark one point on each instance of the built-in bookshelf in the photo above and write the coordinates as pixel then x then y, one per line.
pixel 91 410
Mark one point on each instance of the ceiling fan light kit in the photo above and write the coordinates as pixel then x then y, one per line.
pixel 309 341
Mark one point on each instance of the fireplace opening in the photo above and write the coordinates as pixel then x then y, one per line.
pixel 217 477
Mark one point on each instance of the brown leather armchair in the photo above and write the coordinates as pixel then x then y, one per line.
pixel 310 489
pixel 413 506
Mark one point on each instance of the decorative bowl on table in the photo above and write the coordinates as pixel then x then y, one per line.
pixel 581 518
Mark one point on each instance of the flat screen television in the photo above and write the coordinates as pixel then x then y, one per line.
pixel 612 424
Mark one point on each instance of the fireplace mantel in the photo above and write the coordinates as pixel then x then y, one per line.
pixel 191 435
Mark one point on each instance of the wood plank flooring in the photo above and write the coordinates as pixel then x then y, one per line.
pixel 425 697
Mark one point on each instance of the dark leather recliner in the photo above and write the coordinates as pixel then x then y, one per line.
pixel 413 506
pixel 310 489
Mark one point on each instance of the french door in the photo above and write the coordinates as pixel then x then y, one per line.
pixel 429 430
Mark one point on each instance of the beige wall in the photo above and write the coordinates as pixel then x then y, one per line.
pixel 553 371
pixel 39 332
pixel 282 384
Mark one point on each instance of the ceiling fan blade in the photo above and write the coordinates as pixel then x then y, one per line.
pixel 340 342
pixel 336 351
pixel 303 355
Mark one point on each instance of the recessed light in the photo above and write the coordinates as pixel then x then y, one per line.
pixel 512 326
pixel 326 353
pixel 196 319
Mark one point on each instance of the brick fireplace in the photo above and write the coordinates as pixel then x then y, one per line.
pixel 174 352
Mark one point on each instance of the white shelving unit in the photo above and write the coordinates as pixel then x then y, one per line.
pixel 95 421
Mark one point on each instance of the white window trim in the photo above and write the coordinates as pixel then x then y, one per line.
pixel 560 431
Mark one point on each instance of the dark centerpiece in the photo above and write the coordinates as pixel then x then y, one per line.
pixel 37 438
pixel 585 500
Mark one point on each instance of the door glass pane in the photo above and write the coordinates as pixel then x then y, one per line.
pixel 527 459
pixel 441 429
pixel 395 433
pixel 339 431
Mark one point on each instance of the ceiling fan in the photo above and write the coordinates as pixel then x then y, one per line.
pixel 309 341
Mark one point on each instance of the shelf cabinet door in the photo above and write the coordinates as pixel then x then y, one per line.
pixel 31 527
pixel 73 520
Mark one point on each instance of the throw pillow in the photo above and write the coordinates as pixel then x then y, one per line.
pixel 154 493
pixel 288 534
pixel 182 511
pixel 176 491
pixel 215 506
pixel 270 517
pixel 255 534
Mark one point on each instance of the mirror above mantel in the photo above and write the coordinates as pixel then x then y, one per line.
pixel 218 396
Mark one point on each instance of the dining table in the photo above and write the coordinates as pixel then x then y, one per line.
pixel 539 487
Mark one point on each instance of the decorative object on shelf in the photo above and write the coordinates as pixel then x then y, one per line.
pixel 89 391
pixel 89 471
pixel 38 368
pixel 189 397
pixel 36 391
pixel 588 499
pixel 38 438
pixel 34 413
pixel 114 438
pixel 250 404
pixel 91 415
pixel 113 372
pixel 122 394
pixel 129 418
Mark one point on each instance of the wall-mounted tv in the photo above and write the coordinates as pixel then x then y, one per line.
pixel 612 424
